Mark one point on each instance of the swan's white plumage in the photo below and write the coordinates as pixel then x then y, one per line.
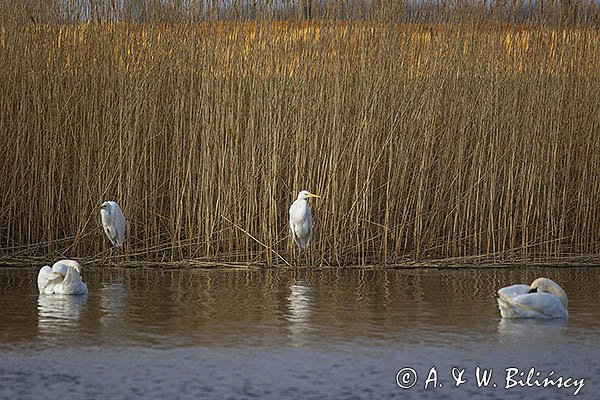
pixel 548 301
pixel 45 276
pixel 301 219
pixel 113 222
pixel 63 278
pixel 61 267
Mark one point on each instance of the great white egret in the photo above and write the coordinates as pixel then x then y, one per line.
pixel 544 298
pixel 113 222
pixel 63 278
pixel 301 219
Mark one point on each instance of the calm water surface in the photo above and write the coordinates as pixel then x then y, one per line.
pixel 274 334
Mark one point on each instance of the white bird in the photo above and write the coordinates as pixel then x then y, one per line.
pixel 63 278
pixel 113 222
pixel 544 298
pixel 301 219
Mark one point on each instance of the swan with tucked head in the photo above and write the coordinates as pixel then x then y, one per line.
pixel 301 219
pixel 544 298
pixel 63 278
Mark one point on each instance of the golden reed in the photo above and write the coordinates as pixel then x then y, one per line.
pixel 449 142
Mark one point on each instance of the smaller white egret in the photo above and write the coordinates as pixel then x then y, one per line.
pixel 544 298
pixel 301 219
pixel 113 222
pixel 63 278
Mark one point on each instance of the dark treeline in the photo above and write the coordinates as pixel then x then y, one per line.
pixel 557 12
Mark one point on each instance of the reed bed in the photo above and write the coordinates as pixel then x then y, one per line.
pixel 467 143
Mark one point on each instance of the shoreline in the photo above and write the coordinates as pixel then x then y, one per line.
pixel 583 262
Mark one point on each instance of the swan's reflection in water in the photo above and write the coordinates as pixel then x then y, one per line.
pixel 59 313
pixel 531 329
pixel 299 307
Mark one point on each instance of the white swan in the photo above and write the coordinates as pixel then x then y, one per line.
pixel 63 278
pixel 544 298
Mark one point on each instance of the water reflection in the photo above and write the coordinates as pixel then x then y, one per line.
pixel 531 329
pixel 59 314
pixel 299 306
pixel 285 330
pixel 112 303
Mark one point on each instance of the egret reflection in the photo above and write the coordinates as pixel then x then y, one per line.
pixel 299 307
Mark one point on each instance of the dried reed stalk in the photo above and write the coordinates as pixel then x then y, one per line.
pixel 447 141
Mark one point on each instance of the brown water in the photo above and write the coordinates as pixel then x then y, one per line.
pixel 333 333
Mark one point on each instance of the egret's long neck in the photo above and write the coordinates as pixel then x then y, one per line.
pixel 302 208
pixel 304 204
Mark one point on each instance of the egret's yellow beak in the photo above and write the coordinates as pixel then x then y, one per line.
pixel 313 195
